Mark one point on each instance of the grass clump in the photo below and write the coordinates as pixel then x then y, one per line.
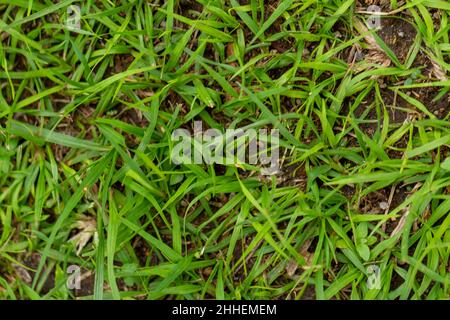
pixel 358 209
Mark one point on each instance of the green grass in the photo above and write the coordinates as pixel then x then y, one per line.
pixel 86 119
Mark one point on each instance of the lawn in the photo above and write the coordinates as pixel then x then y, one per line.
pixel 354 205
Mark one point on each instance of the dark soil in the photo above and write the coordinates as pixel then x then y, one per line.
pixel 399 36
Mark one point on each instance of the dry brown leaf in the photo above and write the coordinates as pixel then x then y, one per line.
pixel 401 223
pixel 438 71
pixel 22 273
pixel 88 228
pixel 292 266
pixel 376 55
